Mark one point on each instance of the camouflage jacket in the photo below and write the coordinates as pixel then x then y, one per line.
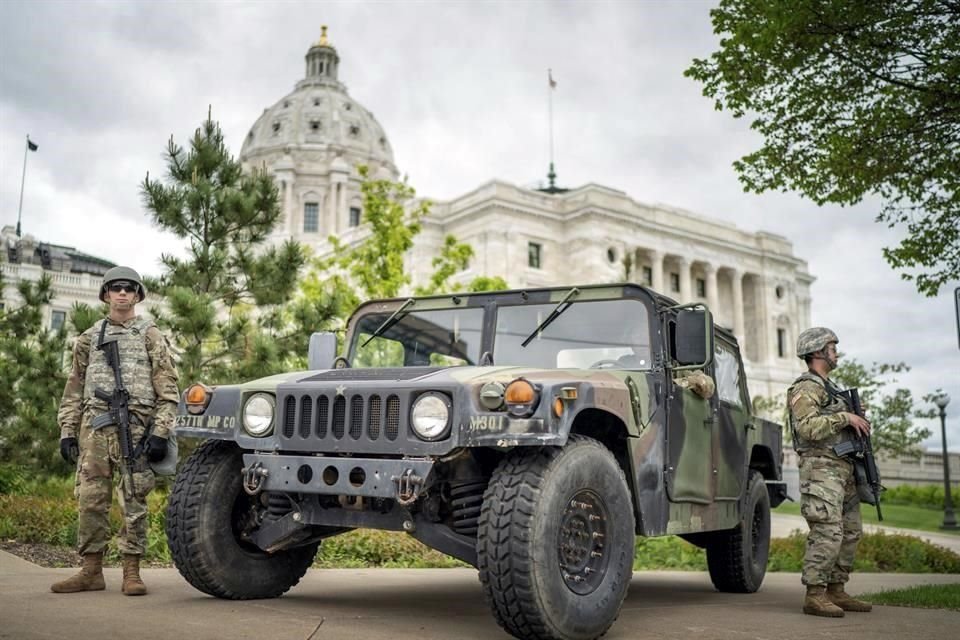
pixel 817 417
pixel 147 368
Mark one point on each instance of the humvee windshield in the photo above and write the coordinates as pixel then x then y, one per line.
pixel 587 334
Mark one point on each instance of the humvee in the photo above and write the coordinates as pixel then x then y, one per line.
pixel 532 434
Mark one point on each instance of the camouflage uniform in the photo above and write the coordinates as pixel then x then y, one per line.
pixel 828 491
pixel 150 376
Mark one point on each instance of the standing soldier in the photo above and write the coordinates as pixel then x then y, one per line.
pixel 820 419
pixel 150 376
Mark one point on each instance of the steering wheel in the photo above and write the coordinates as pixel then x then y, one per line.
pixel 605 364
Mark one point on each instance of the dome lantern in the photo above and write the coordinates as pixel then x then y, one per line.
pixel 322 61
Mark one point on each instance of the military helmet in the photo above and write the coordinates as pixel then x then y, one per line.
pixel 814 339
pixel 121 273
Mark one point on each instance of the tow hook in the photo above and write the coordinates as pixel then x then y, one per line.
pixel 253 478
pixel 408 487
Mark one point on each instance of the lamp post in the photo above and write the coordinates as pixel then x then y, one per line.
pixel 949 519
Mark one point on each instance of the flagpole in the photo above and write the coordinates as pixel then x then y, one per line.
pixel 23 177
pixel 551 175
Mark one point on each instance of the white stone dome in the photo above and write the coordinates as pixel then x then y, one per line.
pixel 319 115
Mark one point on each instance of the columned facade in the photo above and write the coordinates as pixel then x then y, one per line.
pixel 752 282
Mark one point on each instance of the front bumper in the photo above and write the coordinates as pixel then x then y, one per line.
pixel 399 478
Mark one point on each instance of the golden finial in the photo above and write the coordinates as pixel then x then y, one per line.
pixel 323 37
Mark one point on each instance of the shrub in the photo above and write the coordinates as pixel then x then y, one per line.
pixel 928 495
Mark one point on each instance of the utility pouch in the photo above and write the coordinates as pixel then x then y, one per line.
pixel 168 465
pixel 863 485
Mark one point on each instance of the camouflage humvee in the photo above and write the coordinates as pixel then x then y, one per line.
pixel 533 434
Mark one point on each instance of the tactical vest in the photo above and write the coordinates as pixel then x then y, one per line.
pixel 835 404
pixel 135 368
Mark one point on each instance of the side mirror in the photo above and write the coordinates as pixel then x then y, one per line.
pixel 322 350
pixel 694 338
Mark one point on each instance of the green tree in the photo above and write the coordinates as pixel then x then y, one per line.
pixel 374 267
pixel 892 412
pixel 225 304
pixel 853 98
pixel 33 361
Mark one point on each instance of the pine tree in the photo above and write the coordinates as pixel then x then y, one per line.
pixel 33 361
pixel 224 304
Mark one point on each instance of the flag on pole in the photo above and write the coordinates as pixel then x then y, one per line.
pixel 33 146
pixel 553 83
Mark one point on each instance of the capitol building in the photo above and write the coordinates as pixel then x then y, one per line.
pixel 313 139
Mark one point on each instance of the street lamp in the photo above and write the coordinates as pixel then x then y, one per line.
pixel 949 520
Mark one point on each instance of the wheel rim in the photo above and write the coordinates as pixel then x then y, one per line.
pixel 582 543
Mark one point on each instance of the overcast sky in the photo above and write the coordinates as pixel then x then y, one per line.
pixel 461 90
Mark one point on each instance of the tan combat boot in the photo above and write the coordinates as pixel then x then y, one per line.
pixel 90 577
pixel 817 604
pixel 132 584
pixel 842 599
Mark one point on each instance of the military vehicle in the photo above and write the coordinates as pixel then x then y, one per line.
pixel 532 434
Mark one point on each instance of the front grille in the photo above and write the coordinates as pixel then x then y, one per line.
pixel 373 425
pixel 356 417
pixel 289 412
pixel 338 417
pixel 358 422
pixel 323 412
pixel 393 417
pixel 306 413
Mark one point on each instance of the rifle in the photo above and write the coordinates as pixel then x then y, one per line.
pixel 860 452
pixel 119 412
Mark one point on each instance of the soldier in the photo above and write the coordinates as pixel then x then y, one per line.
pixel 150 376
pixel 819 419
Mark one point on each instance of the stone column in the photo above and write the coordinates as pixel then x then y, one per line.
pixel 737 277
pixel 331 215
pixel 683 266
pixel 656 266
pixel 713 296
pixel 342 205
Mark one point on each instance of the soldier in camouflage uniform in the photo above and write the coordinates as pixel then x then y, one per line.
pixel 820 419
pixel 150 376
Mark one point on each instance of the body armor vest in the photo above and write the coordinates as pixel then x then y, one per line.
pixel 835 404
pixel 135 368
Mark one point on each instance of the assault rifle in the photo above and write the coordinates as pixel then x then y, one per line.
pixel 119 413
pixel 860 452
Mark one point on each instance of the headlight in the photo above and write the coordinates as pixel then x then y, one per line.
pixel 258 414
pixel 430 416
pixel 522 398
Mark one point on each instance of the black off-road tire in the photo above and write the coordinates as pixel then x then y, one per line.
pixel 737 559
pixel 544 573
pixel 202 517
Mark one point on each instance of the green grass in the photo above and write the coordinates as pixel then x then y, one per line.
pixel 894 515
pixel 928 596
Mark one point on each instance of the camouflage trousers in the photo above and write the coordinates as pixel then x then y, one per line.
pixel 100 462
pixel 831 506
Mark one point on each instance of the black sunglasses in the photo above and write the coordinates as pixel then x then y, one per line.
pixel 129 287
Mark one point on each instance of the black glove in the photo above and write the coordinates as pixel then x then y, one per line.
pixel 156 448
pixel 69 450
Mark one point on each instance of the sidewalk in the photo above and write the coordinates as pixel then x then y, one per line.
pixel 783 524
pixel 436 604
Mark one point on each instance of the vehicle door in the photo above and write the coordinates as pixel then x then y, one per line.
pixel 734 418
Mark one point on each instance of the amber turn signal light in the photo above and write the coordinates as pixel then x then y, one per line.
pixel 196 397
pixel 520 392
pixel 558 406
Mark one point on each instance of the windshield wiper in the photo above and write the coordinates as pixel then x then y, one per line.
pixel 560 308
pixel 389 322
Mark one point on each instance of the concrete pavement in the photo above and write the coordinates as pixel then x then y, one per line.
pixel 783 524
pixel 444 604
